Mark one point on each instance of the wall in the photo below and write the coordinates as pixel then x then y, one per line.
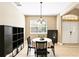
pixel 73 11
pixel 51 22
pixel 59 27
pixel 9 15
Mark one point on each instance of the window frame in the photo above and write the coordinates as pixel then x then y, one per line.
pixel 32 20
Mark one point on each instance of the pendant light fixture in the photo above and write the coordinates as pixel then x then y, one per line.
pixel 41 20
pixel 41 10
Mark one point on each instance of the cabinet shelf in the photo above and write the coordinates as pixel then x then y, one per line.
pixel 17 37
pixel 14 30
pixel 14 45
pixel 53 34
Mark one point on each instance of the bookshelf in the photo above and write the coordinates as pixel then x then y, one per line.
pixel 11 40
pixel 18 40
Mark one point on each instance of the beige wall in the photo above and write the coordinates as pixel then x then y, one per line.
pixel 59 27
pixel 74 11
pixel 9 15
pixel 51 22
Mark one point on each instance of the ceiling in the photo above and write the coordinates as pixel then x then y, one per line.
pixel 32 8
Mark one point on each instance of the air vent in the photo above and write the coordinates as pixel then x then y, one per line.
pixel 18 3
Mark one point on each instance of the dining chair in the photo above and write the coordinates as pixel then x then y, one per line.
pixel 53 46
pixel 41 48
pixel 29 44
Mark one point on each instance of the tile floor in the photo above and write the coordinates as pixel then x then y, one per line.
pixel 31 53
pixel 60 50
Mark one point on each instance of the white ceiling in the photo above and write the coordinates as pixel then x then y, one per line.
pixel 53 8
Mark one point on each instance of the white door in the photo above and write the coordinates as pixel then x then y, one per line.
pixel 75 32
pixel 70 32
pixel 66 32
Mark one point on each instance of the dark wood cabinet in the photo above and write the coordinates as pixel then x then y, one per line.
pixel 5 40
pixel 53 34
pixel 11 38
pixel 18 40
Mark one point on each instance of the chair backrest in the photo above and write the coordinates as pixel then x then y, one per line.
pixel 53 41
pixel 41 44
pixel 28 40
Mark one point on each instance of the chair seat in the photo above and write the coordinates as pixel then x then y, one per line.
pixel 41 52
pixel 30 46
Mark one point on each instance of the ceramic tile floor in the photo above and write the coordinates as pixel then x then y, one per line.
pixel 60 50
pixel 31 53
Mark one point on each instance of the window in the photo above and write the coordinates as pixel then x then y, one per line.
pixel 38 27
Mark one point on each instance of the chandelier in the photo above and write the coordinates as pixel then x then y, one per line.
pixel 41 20
pixel 41 10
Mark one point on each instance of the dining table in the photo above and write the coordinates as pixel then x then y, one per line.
pixel 49 41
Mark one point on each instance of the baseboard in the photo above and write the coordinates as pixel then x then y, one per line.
pixel 60 43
